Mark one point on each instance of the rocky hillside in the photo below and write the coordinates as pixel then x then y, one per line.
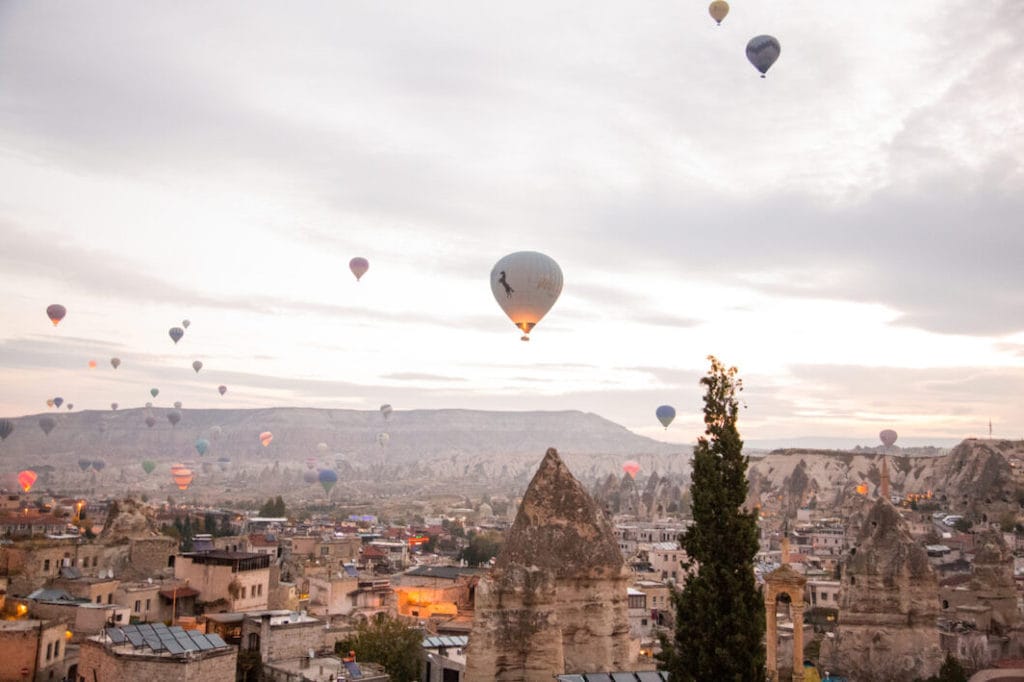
pixel 976 477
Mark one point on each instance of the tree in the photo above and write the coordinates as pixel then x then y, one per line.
pixel 482 547
pixel 719 632
pixel 951 671
pixel 389 642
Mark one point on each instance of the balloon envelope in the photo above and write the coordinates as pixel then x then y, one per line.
pixel 154 392
pixel 177 404
pixel 176 333
pixel 526 284
pixel 202 446
pixel 383 438
pixel 309 476
pixel 174 416
pixel 266 437
pixel 92 364
pixel 6 428
pixel 26 478
pixel 150 420
pixel 182 476
pixel 84 464
pixel 58 401
pixel 762 51
pixel 197 365
pixel 113 406
pixel 115 362
pixel 47 424
pixel 327 479
pixel 222 389
pixel 321 447
pixel 665 414
pixel 888 437
pixel 358 266
pixel 148 466
pixel 56 313
pixel 186 323
pixel 215 431
pixel 71 406
pixel 631 467
pixel 49 403
pixel 718 10
pixel 386 410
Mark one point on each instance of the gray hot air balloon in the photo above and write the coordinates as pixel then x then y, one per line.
pixel 174 416
pixel 47 424
pixel 762 51
pixel 185 323
pixel 310 476
pixel 71 406
pixel 197 365
pixel 115 362
pixel 6 428
pixel 222 389
pixel 150 421
pixel 149 405
pixel 177 404
pixel 113 406
pixel 176 333
pixel 888 437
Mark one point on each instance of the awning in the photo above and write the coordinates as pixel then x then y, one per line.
pixel 182 593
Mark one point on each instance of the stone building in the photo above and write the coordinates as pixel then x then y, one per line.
pixel 555 601
pixel 888 603
pixel 32 650
pixel 227 581
pixel 156 653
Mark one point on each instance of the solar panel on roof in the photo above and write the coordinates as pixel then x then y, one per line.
pixel 176 630
pixel 624 677
pixel 598 677
pixel 154 643
pixel 354 671
pixel 171 645
pixel 649 676
pixel 134 637
pixel 216 641
pixel 571 678
pixel 201 642
pixel 116 636
pixel 186 642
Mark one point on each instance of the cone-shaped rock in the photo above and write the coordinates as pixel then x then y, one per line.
pixel 555 601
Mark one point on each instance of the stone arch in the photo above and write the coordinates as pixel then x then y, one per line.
pixel 782 583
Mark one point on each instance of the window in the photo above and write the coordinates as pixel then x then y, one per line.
pixel 147 605
pixel 119 617
pixel 254 641
pixel 243 591
pixel 95 561
pixel 49 650
pixel 110 597
pixel 325 550
pixel 99 599
pixel 138 604
pixel 56 648
pixel 46 564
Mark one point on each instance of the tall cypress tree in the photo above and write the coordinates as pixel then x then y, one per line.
pixel 720 610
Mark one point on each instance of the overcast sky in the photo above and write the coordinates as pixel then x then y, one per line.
pixel 847 231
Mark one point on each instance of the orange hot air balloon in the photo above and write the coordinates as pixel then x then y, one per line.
pixel 92 364
pixel 266 437
pixel 182 476
pixel 631 467
pixel 26 479
pixel 862 489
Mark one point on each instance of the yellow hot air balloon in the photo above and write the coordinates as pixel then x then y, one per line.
pixel 526 284
pixel 718 10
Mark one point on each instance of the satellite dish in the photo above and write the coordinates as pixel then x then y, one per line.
pixel 149 580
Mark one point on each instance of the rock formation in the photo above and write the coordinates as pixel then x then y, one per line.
pixel 992 580
pixel 888 604
pixel 128 519
pixel 555 601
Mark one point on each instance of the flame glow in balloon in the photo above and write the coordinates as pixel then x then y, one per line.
pixel 26 478
pixel 56 313
pixel 182 476
pixel 266 437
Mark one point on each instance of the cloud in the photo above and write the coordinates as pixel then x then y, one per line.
pixel 421 376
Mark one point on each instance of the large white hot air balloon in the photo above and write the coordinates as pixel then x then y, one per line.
pixel 526 284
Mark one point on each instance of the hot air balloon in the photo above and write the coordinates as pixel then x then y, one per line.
pixel 888 437
pixel 359 266
pixel 176 333
pixel 382 439
pixel 148 465
pixel 71 406
pixel 174 416
pixel 718 10
pixel 182 476
pixel 311 462
pixel 149 405
pixel 92 364
pixel 154 392
pixel 665 414
pixel 49 403
pixel 386 410
pixel 115 362
pixel 26 478
pixel 150 420
pixel 266 437
pixel 222 389
pixel 58 401
pixel 177 404
pixel 197 365
pixel 309 476
pixel 186 323
pixel 526 284
pixel 84 464
pixel 321 447
pixel 113 406
pixel 56 313
pixel 202 445
pixel 223 463
pixel 215 432
pixel 762 51
pixel 47 424
pixel 99 464
pixel 6 428
pixel 631 467
pixel 327 479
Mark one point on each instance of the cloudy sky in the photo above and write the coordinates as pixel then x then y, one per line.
pixel 848 231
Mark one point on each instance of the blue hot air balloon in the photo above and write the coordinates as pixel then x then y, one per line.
pixel 328 477
pixel 762 51
pixel 665 414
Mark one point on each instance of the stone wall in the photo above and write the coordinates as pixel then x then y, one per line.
pixel 97 662
pixel 149 557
